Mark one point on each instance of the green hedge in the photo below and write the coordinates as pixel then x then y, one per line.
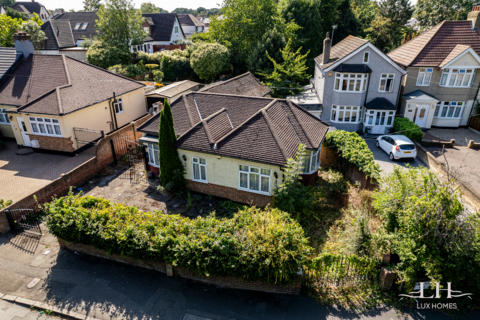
pixel 354 150
pixel 257 245
pixel 340 267
pixel 407 128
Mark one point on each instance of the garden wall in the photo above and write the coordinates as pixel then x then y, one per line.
pixel 329 157
pixel 225 282
pixel 60 186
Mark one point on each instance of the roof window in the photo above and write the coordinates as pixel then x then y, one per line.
pixel 77 26
pixel 84 27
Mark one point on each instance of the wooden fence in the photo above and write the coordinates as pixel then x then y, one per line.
pixel 475 123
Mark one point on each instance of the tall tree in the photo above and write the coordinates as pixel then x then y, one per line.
pixel 8 26
pixel 383 33
pixel 149 7
pixel 431 12
pixel 398 11
pixel 120 24
pixel 91 5
pixel 347 22
pixel 7 3
pixel 365 11
pixel 35 32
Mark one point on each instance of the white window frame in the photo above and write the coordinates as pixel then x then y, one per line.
pixel 384 78
pixel 4 117
pixel 422 77
pixel 176 29
pixel 36 124
pixel 453 74
pixel 146 29
pixel 118 106
pixel 84 26
pixel 196 161
pixel 442 110
pixel 366 54
pixel 152 156
pixel 341 77
pixel 260 174
pixel 338 111
pixel 313 165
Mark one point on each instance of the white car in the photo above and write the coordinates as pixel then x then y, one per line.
pixel 397 146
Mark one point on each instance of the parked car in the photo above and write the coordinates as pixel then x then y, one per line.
pixel 397 146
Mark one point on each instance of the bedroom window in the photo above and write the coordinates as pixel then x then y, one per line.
pixel 386 82
pixel 354 82
pixel 254 179
pixel 424 76
pixel 4 117
pixel 118 106
pixel 45 126
pixel 199 169
pixel 457 78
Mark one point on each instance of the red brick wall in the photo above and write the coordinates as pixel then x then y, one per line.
pixel 54 143
pixel 225 282
pixel 155 170
pixel 229 193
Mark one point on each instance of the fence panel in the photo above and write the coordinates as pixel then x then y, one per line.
pixel 87 137
pixel 475 123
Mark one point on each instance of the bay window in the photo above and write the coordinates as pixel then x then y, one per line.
pixel 45 126
pixel 354 82
pixel 311 162
pixel 386 82
pixel 4 117
pixel 447 109
pixel 199 169
pixel 457 78
pixel 424 76
pixel 254 179
pixel 346 114
pixel 153 155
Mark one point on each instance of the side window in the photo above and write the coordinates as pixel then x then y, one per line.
pixel 366 57
pixel 386 82
pixel 199 169
pixel 119 106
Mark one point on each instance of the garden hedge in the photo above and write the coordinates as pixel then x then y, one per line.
pixel 407 128
pixel 256 244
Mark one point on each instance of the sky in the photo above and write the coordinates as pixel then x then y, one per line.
pixel 167 5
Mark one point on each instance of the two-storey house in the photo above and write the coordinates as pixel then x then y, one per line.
pixel 190 24
pixel 442 82
pixel 357 85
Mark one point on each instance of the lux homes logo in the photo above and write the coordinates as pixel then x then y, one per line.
pixel 420 295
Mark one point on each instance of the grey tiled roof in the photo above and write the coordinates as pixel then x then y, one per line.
pixel 380 104
pixel 245 85
pixel 27 7
pixel 190 20
pixel 251 128
pixel 8 57
pixel 174 89
pixel 162 26
pixel 80 17
pixel 416 94
pixel 341 50
pixel 57 84
pixel 58 35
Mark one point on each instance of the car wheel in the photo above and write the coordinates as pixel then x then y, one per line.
pixel 377 144
pixel 392 157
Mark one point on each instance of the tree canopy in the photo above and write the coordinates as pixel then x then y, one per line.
pixel 91 5
pixel 431 12
pixel 398 11
pixel 104 55
pixel 150 7
pixel 8 26
pixel 7 3
pixel 34 30
pixel 209 60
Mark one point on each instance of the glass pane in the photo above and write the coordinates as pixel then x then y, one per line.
pixel 40 119
pixel 196 172
pixel 347 116
pixel 265 171
pixel 351 85
pixel 49 129
pixel 195 159
pixel 382 121
pixel 243 168
pixel 203 161
pixel 364 84
pixel 390 121
pixel 457 111
pixel 306 164
pixel 156 156
pixel 370 120
pixel 314 162
pixel 255 170
pixel 452 80
pixel 420 79
pixel 34 127
pixel 55 120
pixel 466 80
pixel 334 114
pixel 426 81
pixel 444 111
pixel 254 182
pixel 450 111
pixel 459 80
pixel 47 120
pixel 244 180
pixel 340 116
pixel 42 128
pixel 377 120
pixel 437 109
pixel 358 86
pixel 32 119
pixel 203 172
pixel 388 87
pixel 422 113
pixel 58 132
pixel 443 81
pixel 365 57
pixel 344 85
pixel 337 84
pixel 354 116
pixel 382 85
pixel 265 184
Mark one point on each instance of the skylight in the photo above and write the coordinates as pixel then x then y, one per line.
pixel 77 26
pixel 84 27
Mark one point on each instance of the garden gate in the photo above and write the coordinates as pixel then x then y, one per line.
pixel 131 154
pixel 27 220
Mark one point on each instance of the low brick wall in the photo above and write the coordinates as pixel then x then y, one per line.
pixel 229 193
pixel 54 143
pixel 225 282
pixel 433 164
pixel 446 144
pixel 60 186
pixel 473 145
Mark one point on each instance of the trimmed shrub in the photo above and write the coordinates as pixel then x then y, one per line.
pixel 353 150
pixel 118 69
pixel 408 128
pixel 209 60
pixel 104 55
pixel 256 244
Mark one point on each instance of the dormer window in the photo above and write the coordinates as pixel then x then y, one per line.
pixel 84 27
pixel 77 26
pixel 366 57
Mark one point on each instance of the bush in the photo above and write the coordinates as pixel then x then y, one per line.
pixel 136 69
pixel 209 60
pixel 118 69
pixel 157 75
pixel 5 203
pixel 352 150
pixel 407 128
pixel 104 55
pixel 256 244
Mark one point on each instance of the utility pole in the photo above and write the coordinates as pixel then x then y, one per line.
pixel 333 31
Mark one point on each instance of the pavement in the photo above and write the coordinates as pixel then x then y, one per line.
pixel 28 173
pixel 14 311
pixel 102 289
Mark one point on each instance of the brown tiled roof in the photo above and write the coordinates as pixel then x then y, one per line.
pixel 251 128
pixel 175 88
pixel 432 47
pixel 190 20
pixel 341 50
pixel 56 85
pixel 459 49
pixel 244 85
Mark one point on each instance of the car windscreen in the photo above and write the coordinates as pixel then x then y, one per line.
pixel 407 147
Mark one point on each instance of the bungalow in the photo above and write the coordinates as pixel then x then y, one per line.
pixel 235 146
pixel 162 29
pixel 49 100
pixel 244 85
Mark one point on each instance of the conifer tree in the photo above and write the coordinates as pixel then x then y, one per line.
pixel 168 113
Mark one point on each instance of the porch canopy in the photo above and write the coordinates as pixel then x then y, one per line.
pixel 379 116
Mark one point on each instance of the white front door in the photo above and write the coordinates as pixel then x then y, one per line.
pixel 421 115
pixel 379 124
pixel 23 129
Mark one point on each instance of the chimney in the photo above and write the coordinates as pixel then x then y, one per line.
pixel 473 16
pixel 327 44
pixel 23 43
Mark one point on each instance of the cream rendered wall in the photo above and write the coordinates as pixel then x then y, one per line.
pixel 7 129
pixel 225 171
pixel 412 105
pixel 16 128
pixel 468 60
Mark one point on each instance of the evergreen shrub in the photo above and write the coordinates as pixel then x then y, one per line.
pixel 407 128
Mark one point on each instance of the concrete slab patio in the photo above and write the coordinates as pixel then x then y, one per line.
pixel 23 175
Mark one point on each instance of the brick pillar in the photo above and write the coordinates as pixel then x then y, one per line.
pixel 386 279
pixel 4 226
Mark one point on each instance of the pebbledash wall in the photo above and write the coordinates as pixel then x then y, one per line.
pixel 225 282
pixel 58 187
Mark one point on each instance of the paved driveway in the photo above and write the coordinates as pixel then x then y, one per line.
pixel 22 175
pixel 384 161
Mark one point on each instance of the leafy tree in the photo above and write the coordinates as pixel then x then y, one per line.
pixel 5 203
pixel 35 32
pixel 7 3
pixel 431 12
pixel 8 26
pixel 103 55
pixel 399 11
pixel 171 168
pixel 91 5
pixel 37 19
pixel 15 14
pixel 291 73
pixel 209 60
pixel 383 33
pixel 365 11
pixel 120 24
pixel 347 22
pixel 292 196
pixel 149 7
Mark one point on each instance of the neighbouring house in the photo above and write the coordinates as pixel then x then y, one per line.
pixel 58 36
pixel 357 85
pixel 236 147
pixel 308 100
pixel 162 30
pixel 2 10
pixel 55 13
pixel 190 24
pixel 82 25
pixel 57 103
pixel 244 85
pixel 442 82
pixel 170 92
pixel 31 7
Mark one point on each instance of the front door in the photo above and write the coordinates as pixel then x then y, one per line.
pixel 379 126
pixel 23 129
pixel 421 116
